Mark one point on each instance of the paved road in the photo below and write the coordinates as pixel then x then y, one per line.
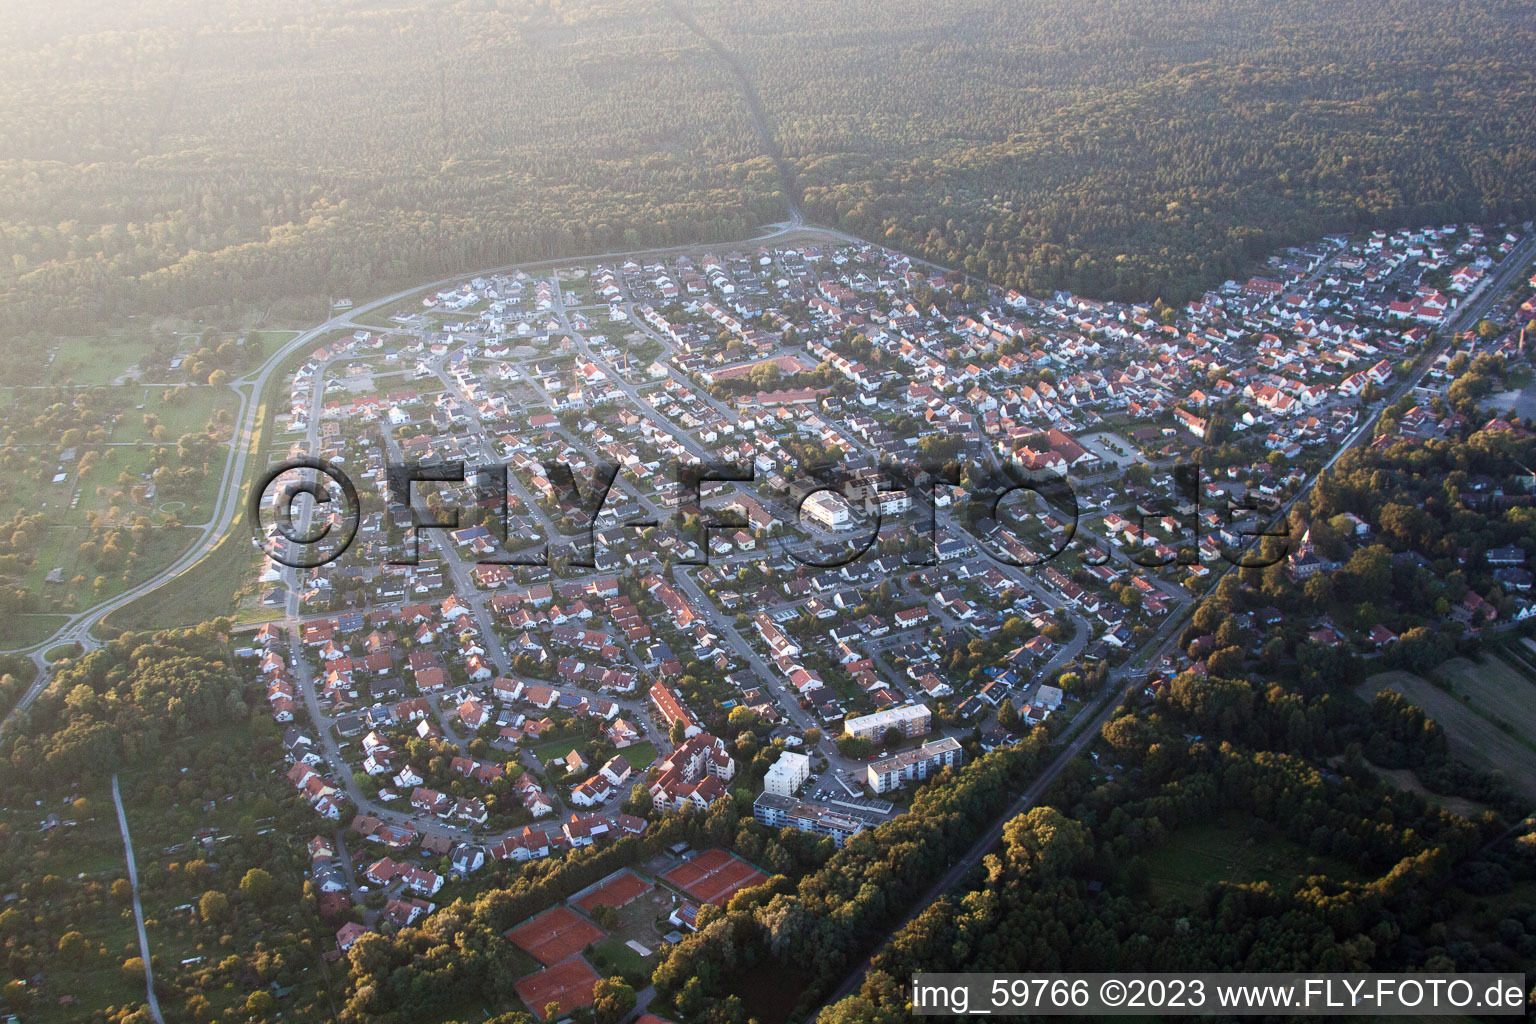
pixel 79 628
pixel 138 909
pixel 1121 688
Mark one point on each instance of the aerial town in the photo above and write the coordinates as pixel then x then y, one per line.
pixel 565 657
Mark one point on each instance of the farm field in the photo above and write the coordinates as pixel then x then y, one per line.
pixel 1475 737
pixel 1498 689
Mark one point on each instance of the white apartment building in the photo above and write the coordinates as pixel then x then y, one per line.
pixel 894 772
pixel 826 509
pixel 912 720
pixel 787 774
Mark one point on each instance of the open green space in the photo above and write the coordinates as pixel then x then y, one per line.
pixel 640 755
pixel 1476 735
pixel 211 588
pixel 83 581
pixel 625 960
pixel 1497 688
pixel 94 360
pixel 26 630
pixel 1235 849
pixel 558 748
pixel 179 409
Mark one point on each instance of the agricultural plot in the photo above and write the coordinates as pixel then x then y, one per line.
pixel 1475 736
pixel 1497 689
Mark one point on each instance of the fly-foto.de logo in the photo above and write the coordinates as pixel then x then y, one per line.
pixel 305 513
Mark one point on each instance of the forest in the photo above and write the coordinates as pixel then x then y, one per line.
pixel 1132 151
pixel 168 156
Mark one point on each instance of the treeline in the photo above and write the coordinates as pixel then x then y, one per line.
pixel 1069 889
pixel 167 160
pixel 116 706
pixel 816 930
pixel 218 158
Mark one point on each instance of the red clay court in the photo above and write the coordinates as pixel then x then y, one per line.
pixel 555 935
pixel 714 876
pixel 619 892
pixel 569 984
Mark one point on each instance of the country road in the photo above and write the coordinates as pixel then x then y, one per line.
pixel 138 909
pixel 228 507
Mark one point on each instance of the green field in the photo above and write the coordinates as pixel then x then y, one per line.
pixel 209 589
pixel 640 755
pixel 93 360
pixel 1238 850
pixel 26 630
pixel 1496 688
pixel 181 410
pixel 1469 712
pixel 61 550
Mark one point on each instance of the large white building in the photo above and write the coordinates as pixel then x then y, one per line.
pixel 911 720
pixel 787 812
pixel 893 772
pixel 826 509
pixel 787 774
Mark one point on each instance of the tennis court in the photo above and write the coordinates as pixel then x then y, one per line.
pixel 619 891
pixel 714 876
pixel 568 984
pixel 555 935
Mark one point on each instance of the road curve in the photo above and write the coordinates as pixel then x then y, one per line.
pixel 78 628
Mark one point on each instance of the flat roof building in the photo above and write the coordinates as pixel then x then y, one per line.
pixel 787 774
pixel 911 720
pixel 893 772
pixel 787 812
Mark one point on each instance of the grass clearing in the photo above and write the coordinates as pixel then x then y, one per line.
pixel 180 410
pixel 640 755
pixel 61 550
pixel 213 587
pixel 1404 779
pixel 1237 849
pixel 1496 688
pixel 94 360
pixel 1475 738
pixel 26 630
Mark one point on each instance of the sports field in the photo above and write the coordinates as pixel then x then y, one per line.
pixel 714 876
pixel 554 935
pixel 567 984
pixel 618 891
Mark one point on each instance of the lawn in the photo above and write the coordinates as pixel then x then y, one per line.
pixel 1475 736
pixel 1237 849
pixel 640 755
pixel 207 590
pixel 181 410
pixel 93 360
pixel 625 960
pixel 558 748
pixel 26 630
